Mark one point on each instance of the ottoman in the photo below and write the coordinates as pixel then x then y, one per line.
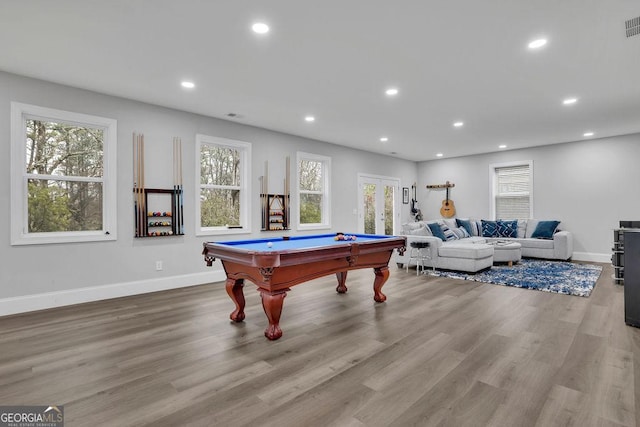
pixel 508 252
pixel 469 257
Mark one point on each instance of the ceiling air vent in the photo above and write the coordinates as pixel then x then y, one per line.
pixel 632 27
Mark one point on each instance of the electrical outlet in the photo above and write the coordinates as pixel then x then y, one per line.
pixel 158 265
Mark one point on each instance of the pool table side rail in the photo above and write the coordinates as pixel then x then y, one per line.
pixel 295 256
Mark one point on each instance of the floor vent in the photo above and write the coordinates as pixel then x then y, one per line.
pixel 632 27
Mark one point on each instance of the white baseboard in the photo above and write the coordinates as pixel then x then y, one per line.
pixel 591 257
pixel 24 304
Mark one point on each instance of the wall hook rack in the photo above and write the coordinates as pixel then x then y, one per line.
pixel 447 185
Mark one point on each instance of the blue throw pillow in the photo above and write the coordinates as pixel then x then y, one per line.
pixel 436 230
pixel 545 230
pixel 466 224
pixel 489 228
pixel 507 228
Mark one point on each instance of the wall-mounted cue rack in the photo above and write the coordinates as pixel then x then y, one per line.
pixel 275 207
pixel 166 217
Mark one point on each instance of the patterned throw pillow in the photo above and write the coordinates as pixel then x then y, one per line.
pixel 507 228
pixel 489 228
pixel 460 232
pixel 448 232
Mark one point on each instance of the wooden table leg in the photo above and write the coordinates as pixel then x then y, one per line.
pixel 342 279
pixel 382 274
pixel 234 289
pixel 272 305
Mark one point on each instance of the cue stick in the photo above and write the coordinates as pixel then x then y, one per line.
pixel 142 195
pixel 180 186
pixel 135 184
pixel 262 200
pixel 138 188
pixel 287 190
pixel 174 202
pixel 266 195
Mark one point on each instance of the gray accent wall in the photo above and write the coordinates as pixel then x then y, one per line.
pixel 49 269
pixel 589 185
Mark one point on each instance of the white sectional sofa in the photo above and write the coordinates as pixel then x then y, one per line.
pixel 471 252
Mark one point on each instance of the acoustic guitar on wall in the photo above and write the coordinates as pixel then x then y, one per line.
pixel 448 209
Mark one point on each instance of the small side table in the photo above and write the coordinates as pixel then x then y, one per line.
pixel 419 252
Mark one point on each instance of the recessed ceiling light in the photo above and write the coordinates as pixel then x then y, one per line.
pixel 570 101
pixel 588 134
pixel 391 91
pixel 309 118
pixel 260 28
pixel 537 43
pixel 502 146
pixel 384 139
pixel 188 85
pixel 458 124
pixel 439 155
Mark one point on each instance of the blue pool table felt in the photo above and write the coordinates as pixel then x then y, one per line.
pixel 299 242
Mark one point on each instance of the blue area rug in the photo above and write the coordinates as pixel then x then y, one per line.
pixel 549 276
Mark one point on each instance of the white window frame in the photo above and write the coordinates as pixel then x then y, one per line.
pixel 326 191
pixel 20 235
pixel 245 185
pixel 494 184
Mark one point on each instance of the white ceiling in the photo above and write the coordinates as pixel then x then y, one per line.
pixel 451 60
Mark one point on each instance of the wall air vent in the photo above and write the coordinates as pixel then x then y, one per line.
pixel 632 27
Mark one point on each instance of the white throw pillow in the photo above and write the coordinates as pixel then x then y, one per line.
pixel 522 228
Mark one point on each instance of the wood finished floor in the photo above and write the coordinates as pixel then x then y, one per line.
pixel 438 352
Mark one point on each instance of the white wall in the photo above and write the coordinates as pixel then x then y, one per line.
pixel 40 276
pixel 588 185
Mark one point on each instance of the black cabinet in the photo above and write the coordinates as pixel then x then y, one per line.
pixel 631 239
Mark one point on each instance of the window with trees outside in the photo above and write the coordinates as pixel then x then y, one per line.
pixel 223 168
pixel 63 176
pixel 313 191
pixel 512 190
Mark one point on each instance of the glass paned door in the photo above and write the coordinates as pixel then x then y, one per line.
pixel 378 205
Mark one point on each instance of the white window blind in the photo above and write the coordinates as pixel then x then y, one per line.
pixel 513 192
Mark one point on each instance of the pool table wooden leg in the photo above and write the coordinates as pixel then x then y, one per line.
pixel 272 304
pixel 342 278
pixel 234 289
pixel 382 274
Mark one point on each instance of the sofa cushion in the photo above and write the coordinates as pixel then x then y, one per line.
pixel 489 228
pixel 465 250
pixel 411 227
pixel 536 243
pixel 507 228
pixel 422 231
pixel 545 229
pixel 436 230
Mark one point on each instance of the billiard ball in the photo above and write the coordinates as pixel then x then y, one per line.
pixel 269 244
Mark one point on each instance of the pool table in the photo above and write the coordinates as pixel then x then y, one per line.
pixel 278 263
